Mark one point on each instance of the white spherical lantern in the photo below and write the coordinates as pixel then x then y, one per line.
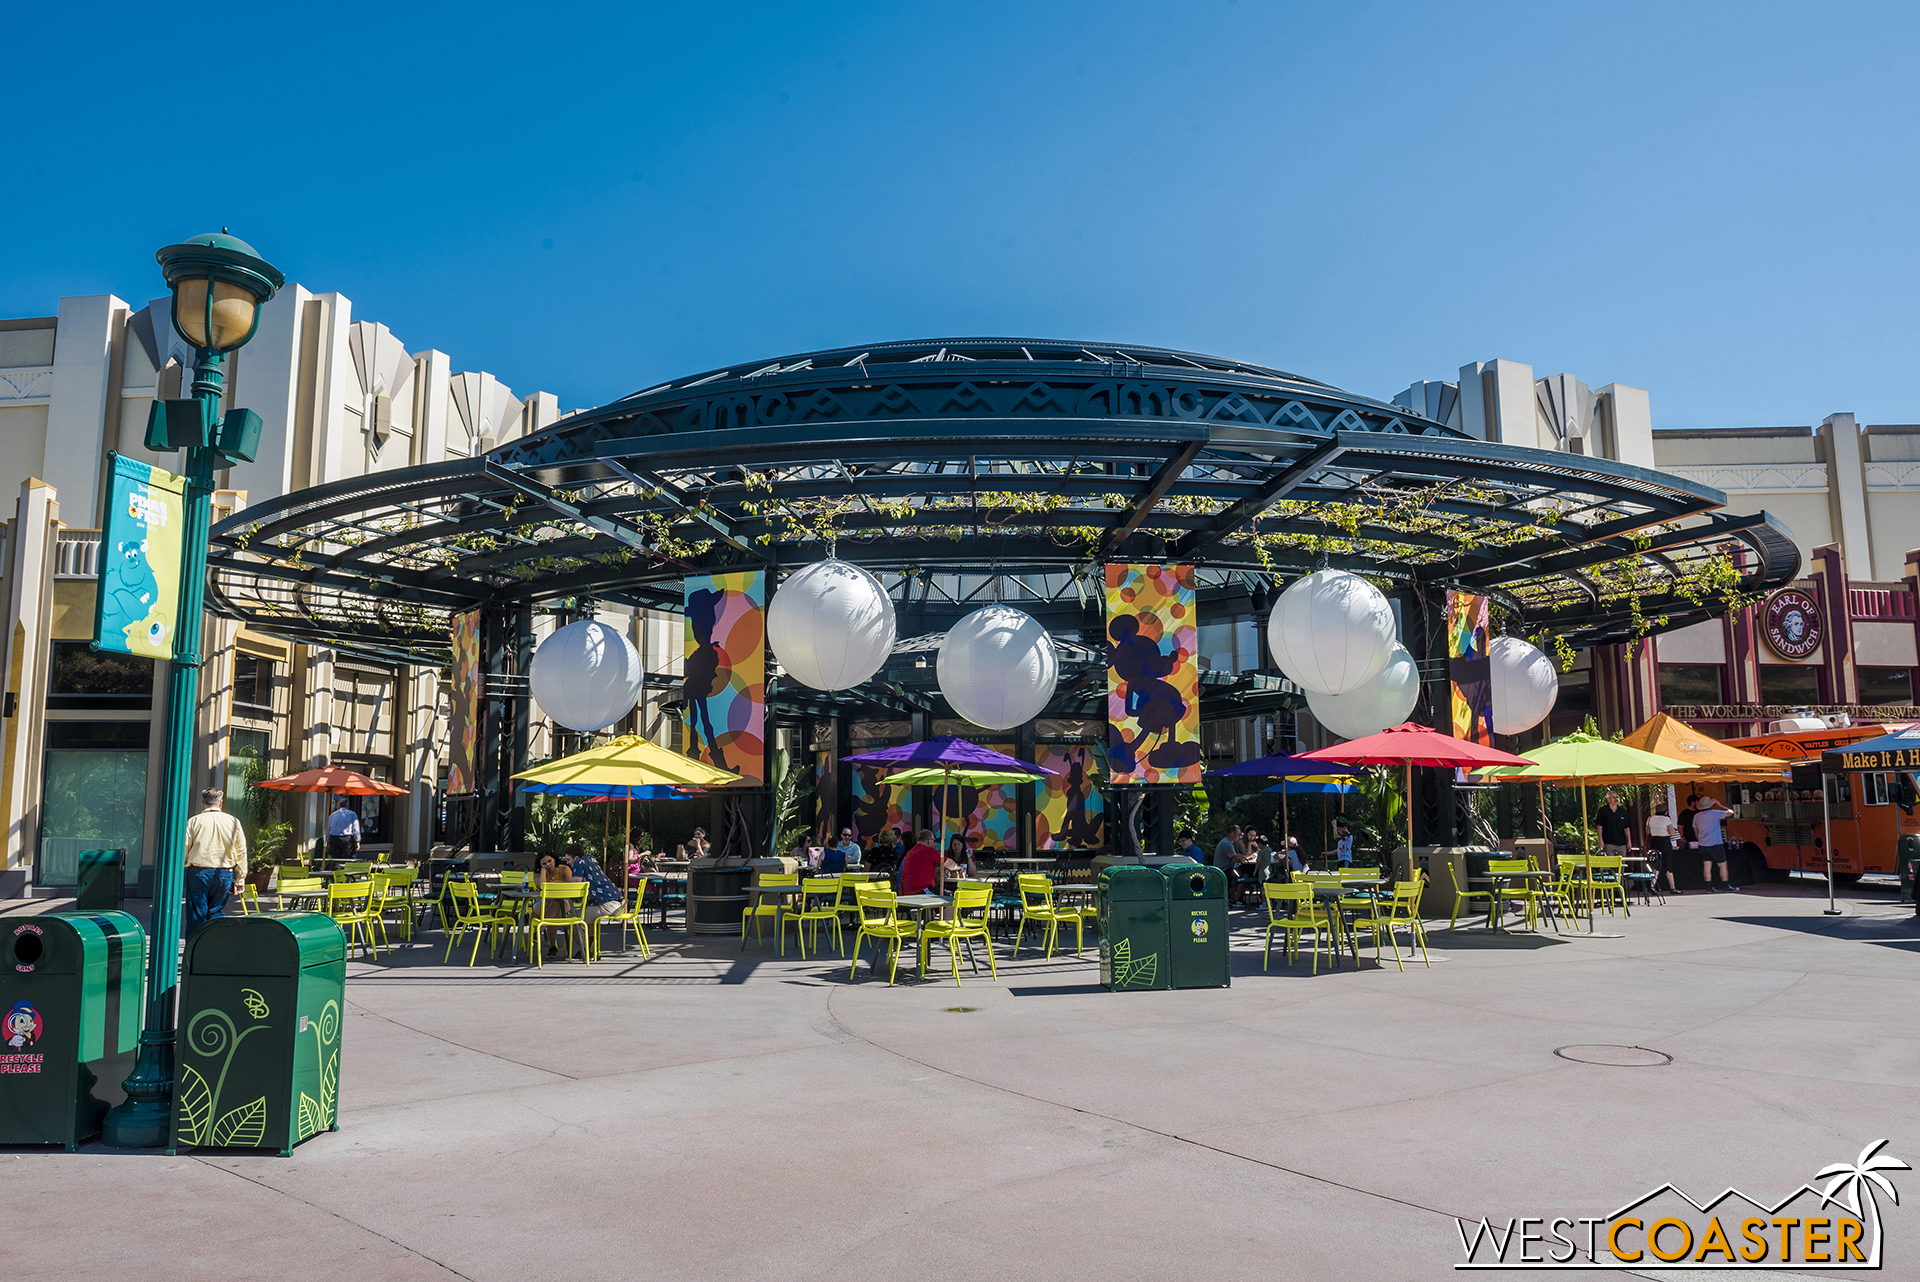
pixel 1525 685
pixel 1385 701
pixel 1332 632
pixel 831 625
pixel 587 676
pixel 998 667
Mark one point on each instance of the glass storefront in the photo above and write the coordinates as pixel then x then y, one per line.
pixel 95 796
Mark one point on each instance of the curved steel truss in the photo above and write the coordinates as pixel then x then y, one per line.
pixel 965 470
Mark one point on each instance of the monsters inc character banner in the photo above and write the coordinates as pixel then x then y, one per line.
pixel 1153 675
pixel 987 818
pixel 139 598
pixel 1470 667
pixel 725 679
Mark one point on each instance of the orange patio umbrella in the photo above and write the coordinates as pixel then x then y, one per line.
pixel 333 779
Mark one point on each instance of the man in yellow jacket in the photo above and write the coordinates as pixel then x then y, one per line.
pixel 216 859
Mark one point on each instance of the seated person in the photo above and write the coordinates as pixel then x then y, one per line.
pixel 959 861
pixel 837 859
pixel 920 868
pixel 603 897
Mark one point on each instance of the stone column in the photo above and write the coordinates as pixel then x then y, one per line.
pixel 26 647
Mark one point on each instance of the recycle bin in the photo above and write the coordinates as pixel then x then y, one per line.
pixel 70 1004
pixel 101 883
pixel 1133 928
pixel 259 1039
pixel 1197 926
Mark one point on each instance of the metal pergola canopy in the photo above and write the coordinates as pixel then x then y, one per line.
pixel 967 470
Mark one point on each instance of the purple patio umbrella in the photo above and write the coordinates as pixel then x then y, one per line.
pixel 951 754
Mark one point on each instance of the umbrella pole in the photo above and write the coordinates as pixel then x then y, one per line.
pixel 1586 847
pixel 1408 802
pixel 626 870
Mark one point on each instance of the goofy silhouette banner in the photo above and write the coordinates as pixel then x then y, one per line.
pixel 725 680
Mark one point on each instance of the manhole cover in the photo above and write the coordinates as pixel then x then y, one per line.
pixel 1615 1056
pixel 959 1010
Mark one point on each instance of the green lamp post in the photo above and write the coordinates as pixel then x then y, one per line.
pixel 219 285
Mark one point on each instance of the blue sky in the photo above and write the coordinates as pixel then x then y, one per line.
pixel 1716 202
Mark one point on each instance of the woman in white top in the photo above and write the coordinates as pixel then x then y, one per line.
pixel 1660 842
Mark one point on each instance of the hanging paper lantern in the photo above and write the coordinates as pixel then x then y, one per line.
pixel 998 667
pixel 1525 685
pixel 1385 701
pixel 587 676
pixel 1332 632
pixel 831 625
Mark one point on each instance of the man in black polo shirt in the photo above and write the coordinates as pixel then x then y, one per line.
pixel 1613 827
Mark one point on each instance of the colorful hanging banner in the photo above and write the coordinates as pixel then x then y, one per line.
pixel 725 678
pixel 139 596
pixel 1153 675
pixel 986 817
pixel 878 806
pixel 463 706
pixel 1069 809
pixel 1469 667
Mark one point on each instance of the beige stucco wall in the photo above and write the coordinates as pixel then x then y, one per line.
pixel 1883 645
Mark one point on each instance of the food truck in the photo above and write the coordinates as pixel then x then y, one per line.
pixel 1781 826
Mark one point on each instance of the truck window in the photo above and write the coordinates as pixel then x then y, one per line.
pixel 1874 788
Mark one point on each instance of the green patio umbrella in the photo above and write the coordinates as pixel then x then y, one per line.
pixel 1580 757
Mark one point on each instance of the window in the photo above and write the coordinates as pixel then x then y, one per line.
pixel 1873 789
pixel 1576 694
pixel 1789 685
pixel 1886 685
pixel 83 677
pixel 1689 684
pixel 252 686
pixel 95 796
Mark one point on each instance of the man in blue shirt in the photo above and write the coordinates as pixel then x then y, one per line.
pixel 1713 845
pixel 838 858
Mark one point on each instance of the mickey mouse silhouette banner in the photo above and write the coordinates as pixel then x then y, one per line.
pixel 725 679
pixel 139 598
pixel 1153 675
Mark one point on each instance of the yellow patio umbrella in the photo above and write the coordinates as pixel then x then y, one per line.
pixel 1584 758
pixel 624 764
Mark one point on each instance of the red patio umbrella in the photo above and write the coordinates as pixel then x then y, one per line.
pixel 1411 744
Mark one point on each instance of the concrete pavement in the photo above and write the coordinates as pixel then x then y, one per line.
pixel 712 1114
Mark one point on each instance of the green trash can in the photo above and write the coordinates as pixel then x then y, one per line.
pixel 1133 928
pixel 1197 926
pixel 101 883
pixel 70 991
pixel 259 1040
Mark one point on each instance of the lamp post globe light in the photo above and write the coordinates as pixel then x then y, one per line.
pixel 219 285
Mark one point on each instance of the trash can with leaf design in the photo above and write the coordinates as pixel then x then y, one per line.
pixel 259 1033
pixel 70 987
pixel 1133 928
pixel 1197 927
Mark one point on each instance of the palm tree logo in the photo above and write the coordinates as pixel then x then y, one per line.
pixel 1861 1176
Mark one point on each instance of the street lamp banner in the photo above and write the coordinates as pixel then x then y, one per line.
pixel 139 598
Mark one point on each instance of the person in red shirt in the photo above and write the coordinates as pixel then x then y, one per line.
pixel 921 866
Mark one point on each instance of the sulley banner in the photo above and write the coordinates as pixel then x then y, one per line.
pixel 1153 675
pixel 139 596
pixel 1469 667
pixel 463 717
pixel 725 679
